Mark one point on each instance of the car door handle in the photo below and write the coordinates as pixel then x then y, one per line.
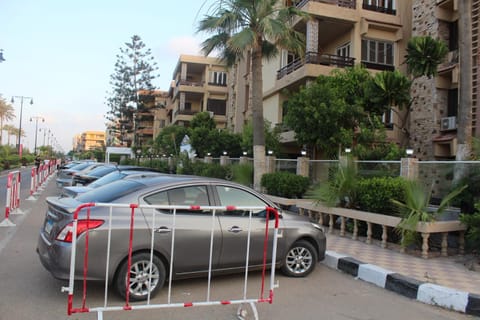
pixel 235 229
pixel 163 230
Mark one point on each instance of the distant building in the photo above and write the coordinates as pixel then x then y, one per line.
pixel 89 140
pixel 199 84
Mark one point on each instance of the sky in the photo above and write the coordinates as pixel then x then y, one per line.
pixel 61 53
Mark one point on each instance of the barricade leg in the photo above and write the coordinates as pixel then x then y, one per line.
pixel 242 312
pixel 8 204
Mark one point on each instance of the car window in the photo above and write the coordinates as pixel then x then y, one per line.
pixel 112 176
pixel 184 196
pixel 230 196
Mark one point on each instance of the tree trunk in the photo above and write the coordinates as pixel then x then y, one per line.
pixel 464 131
pixel 257 115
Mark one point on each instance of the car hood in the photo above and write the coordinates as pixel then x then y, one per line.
pixel 292 217
pixel 79 189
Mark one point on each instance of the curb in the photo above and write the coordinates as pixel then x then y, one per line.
pixel 424 292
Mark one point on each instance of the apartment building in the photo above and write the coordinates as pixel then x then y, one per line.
pixel 340 34
pixel 89 140
pixel 150 116
pixel 435 113
pixel 199 84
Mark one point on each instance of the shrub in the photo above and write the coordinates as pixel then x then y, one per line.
pixel 243 174
pixel 285 184
pixel 375 194
pixel 472 221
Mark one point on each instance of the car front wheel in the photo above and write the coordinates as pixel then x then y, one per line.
pixel 140 273
pixel 300 260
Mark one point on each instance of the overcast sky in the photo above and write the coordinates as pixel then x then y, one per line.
pixel 62 53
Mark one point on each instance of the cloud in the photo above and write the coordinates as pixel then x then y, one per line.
pixel 183 45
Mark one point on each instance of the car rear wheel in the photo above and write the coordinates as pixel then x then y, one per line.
pixel 300 260
pixel 140 271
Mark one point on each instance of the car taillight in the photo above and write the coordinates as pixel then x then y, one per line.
pixel 66 235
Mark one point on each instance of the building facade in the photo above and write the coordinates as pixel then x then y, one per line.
pixel 89 140
pixel 340 34
pixel 199 84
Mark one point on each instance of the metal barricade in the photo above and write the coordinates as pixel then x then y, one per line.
pixel 243 302
pixel 12 204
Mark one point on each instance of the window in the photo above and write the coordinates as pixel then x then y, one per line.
pixel 384 6
pixel 217 106
pixel 236 197
pixel 453 36
pixel 377 53
pixel 387 119
pixel 452 103
pixel 184 196
pixel 218 78
pixel 344 51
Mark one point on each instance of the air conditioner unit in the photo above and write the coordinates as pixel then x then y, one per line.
pixel 211 114
pixel 448 123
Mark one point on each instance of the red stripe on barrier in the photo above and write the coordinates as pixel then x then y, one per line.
pixel 225 302
pixel 188 304
pixel 129 263
pixel 231 208
pixel 194 207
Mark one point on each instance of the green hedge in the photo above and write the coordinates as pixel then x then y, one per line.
pixel 375 194
pixel 285 184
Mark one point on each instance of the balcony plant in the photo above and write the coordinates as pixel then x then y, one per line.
pixel 416 209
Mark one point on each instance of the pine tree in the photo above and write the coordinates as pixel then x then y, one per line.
pixel 134 71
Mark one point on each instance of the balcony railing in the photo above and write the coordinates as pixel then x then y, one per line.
pixel 316 58
pixel 341 3
pixel 190 83
pixel 372 7
pixel 378 66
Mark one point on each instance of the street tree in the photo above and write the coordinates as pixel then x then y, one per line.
pixel 259 28
pixel 169 140
pixel 7 113
pixel 134 70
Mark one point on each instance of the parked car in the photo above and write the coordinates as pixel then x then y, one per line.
pixel 74 191
pixel 85 178
pixel 301 245
pixel 64 176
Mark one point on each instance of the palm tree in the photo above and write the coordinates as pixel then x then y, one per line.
pixel 424 54
pixel 6 114
pixel 260 28
pixel 464 131
pixel 12 131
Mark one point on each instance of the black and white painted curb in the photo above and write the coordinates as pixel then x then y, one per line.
pixel 425 292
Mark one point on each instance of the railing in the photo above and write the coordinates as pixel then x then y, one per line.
pixel 190 83
pixel 378 66
pixel 372 7
pixel 341 3
pixel 327 216
pixel 316 58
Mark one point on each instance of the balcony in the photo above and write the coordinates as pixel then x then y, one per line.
pixel 316 58
pixel 340 3
pixel 376 8
pixel 378 66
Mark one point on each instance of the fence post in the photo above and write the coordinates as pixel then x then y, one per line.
pixel 270 164
pixel 409 168
pixel 208 159
pixel 224 160
pixel 303 166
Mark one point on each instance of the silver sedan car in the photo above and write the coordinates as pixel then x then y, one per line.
pixel 301 244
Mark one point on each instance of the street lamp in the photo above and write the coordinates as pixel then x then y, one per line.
pixel 36 118
pixel 20 126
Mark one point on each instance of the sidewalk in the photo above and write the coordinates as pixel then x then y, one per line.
pixel 442 281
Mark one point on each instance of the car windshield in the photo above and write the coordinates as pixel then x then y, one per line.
pixel 110 192
pixel 101 171
pixel 112 176
pixel 81 166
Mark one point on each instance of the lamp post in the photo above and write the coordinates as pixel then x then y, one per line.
pixel 36 118
pixel 20 126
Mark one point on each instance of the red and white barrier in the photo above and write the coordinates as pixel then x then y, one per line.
pixel 39 177
pixel 270 242
pixel 12 204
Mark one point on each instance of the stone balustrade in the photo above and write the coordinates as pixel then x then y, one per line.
pixel 328 215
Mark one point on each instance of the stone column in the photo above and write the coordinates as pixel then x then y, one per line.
pixel 409 168
pixel 244 160
pixel 303 168
pixel 224 160
pixel 312 36
pixel 208 159
pixel 270 164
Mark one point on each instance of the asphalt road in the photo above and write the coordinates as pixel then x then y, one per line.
pixel 27 291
